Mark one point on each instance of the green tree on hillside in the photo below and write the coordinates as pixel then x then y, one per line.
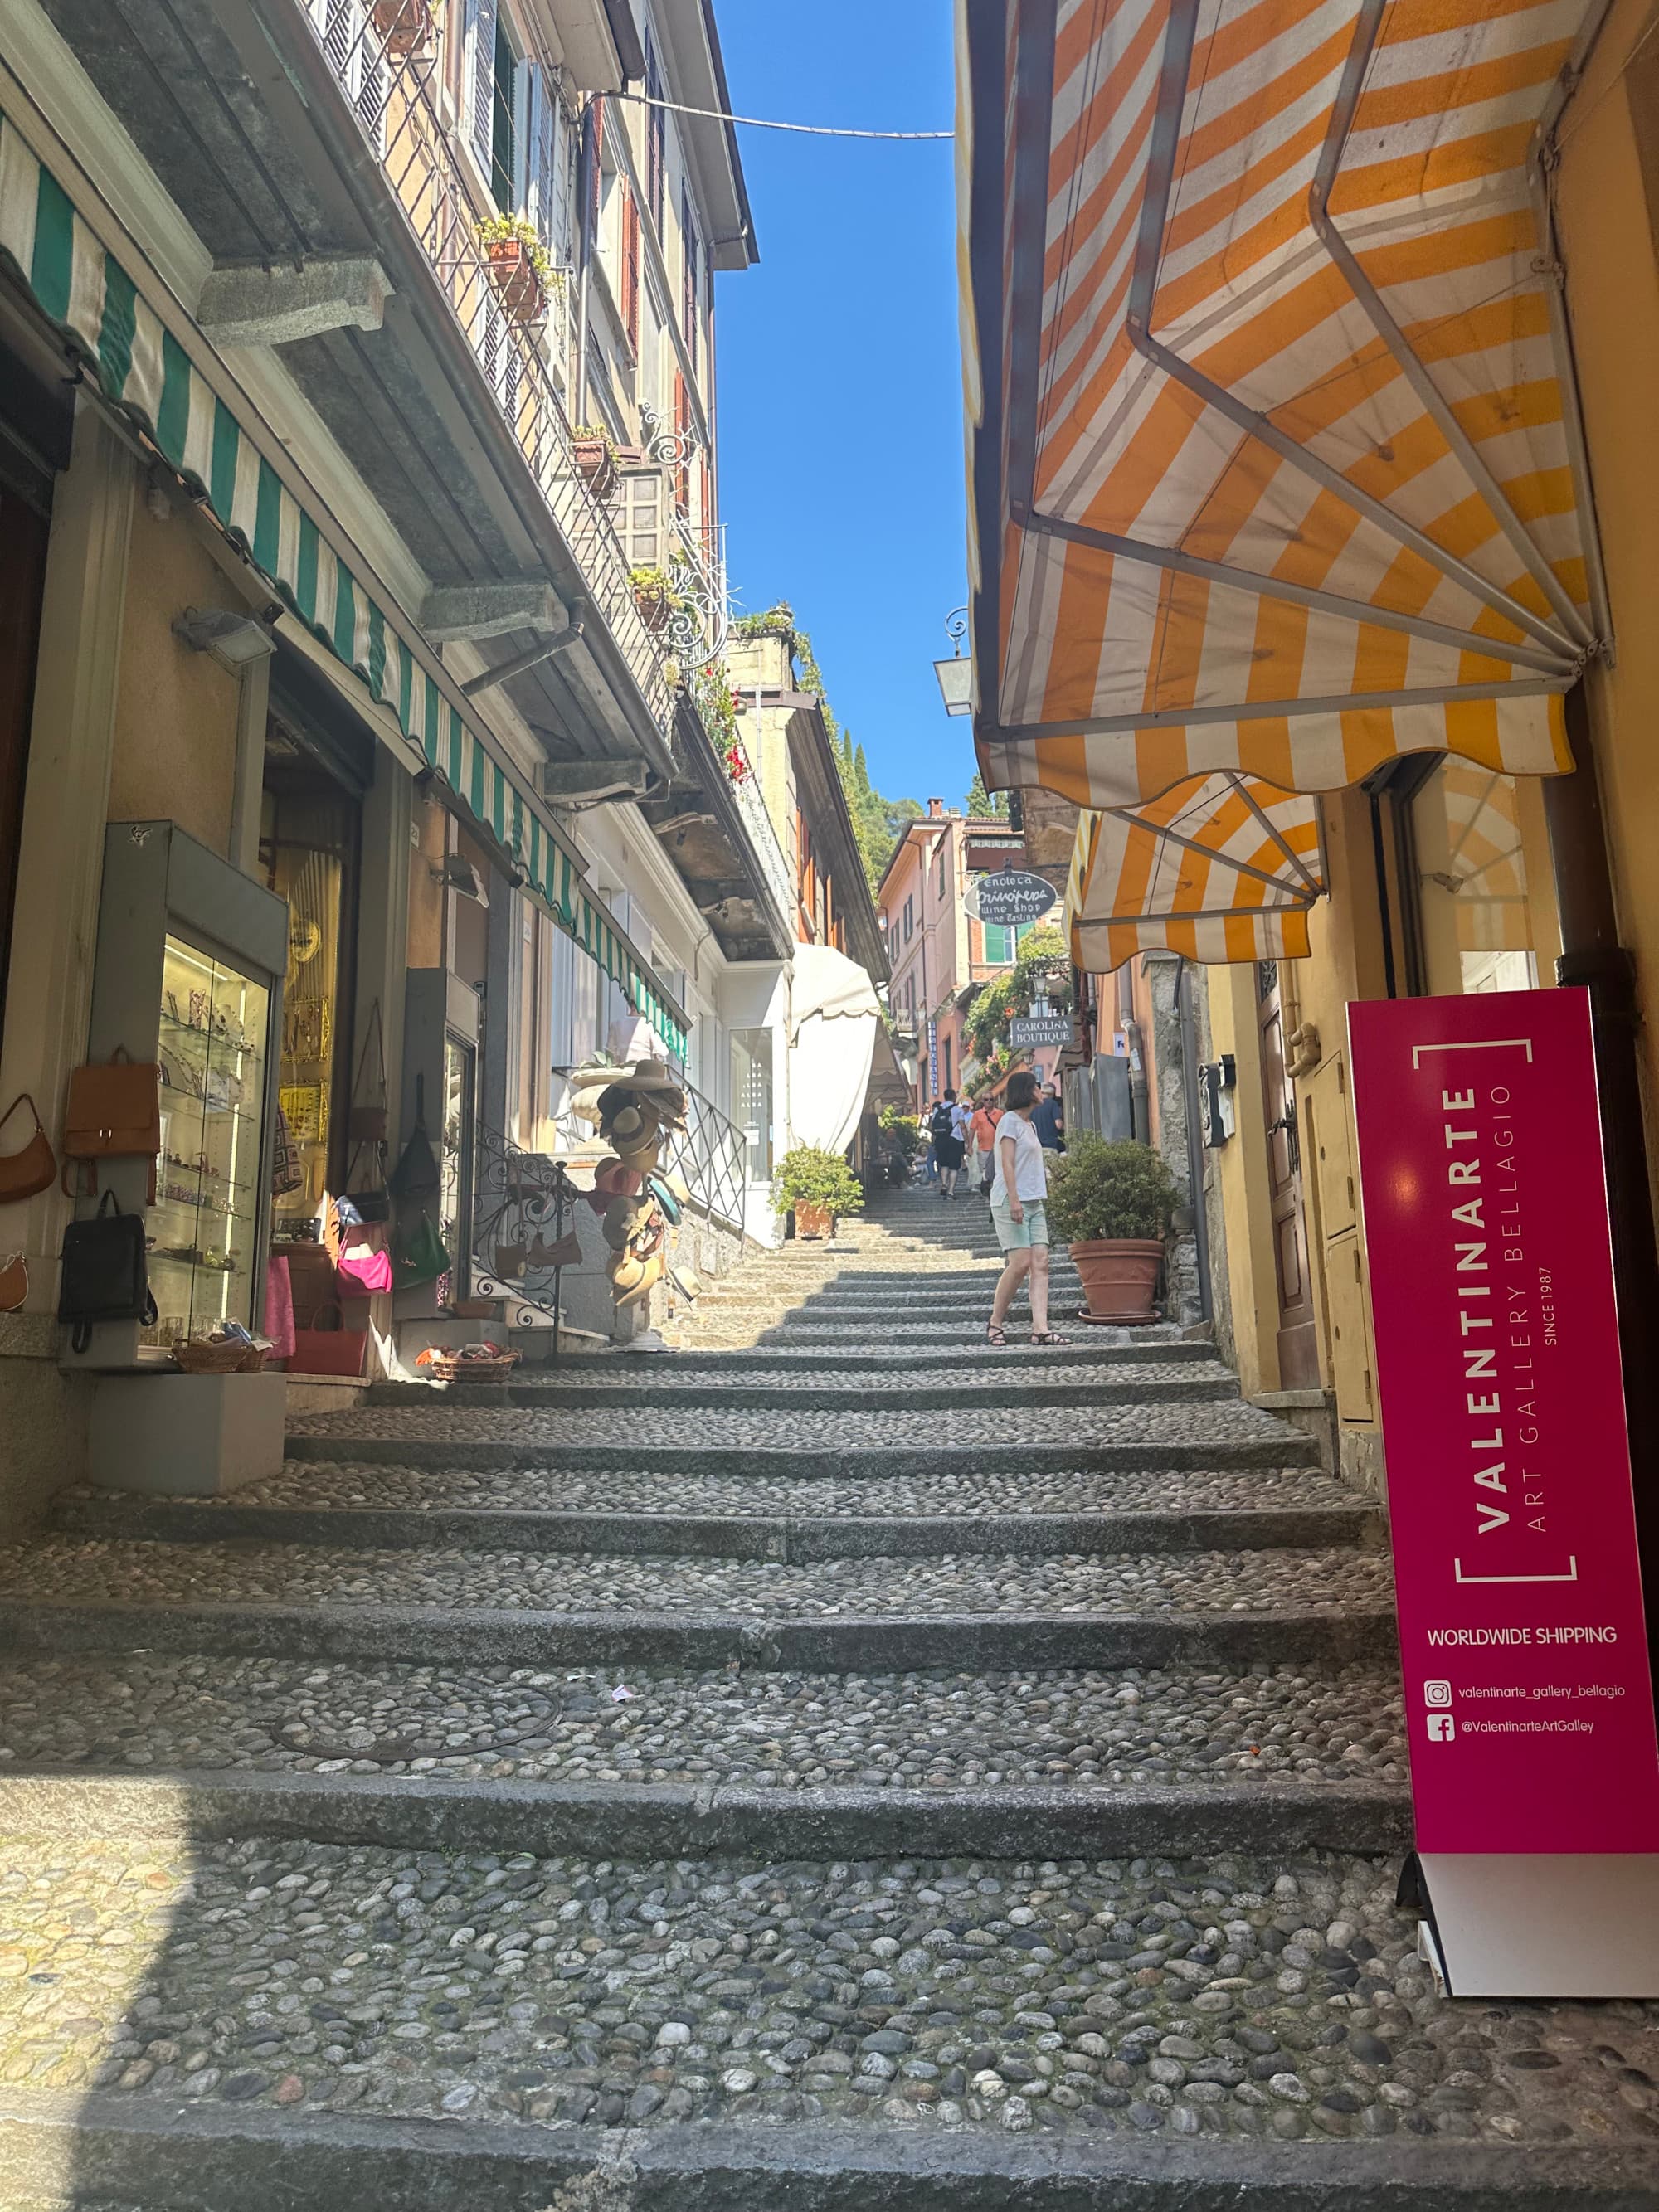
pixel 980 803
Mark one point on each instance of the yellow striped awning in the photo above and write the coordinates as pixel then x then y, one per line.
pixel 1277 472
pixel 1220 867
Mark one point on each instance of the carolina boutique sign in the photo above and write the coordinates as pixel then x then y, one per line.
pixel 1528 1698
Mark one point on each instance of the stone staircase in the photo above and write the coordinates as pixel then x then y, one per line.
pixel 836 1764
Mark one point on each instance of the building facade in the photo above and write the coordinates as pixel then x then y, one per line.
pixel 1353 674
pixel 353 413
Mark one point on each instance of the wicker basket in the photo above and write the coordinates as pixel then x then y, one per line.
pixel 471 1371
pixel 196 1357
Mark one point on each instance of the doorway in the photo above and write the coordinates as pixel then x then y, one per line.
pixel 1298 1338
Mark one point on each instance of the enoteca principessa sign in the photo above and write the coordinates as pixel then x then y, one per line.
pixel 1529 1703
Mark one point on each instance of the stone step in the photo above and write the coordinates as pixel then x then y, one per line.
pixel 740 1389
pixel 774 1764
pixel 1098 1439
pixel 876 1358
pixel 748 1533
pixel 968 1331
pixel 521 1608
pixel 333 2027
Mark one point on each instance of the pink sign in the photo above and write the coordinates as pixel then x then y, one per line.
pixel 1528 1699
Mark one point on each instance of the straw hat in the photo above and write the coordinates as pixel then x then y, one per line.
pixel 649 1272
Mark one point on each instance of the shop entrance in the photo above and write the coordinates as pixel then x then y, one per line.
pixel 1298 1340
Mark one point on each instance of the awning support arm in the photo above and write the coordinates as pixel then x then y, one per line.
pixel 1143 288
pixel 1272 710
pixel 1558 662
pixel 1295 905
pixel 1192 845
pixel 1267 824
pixel 1370 303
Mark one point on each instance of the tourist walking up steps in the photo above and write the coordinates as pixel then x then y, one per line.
pixel 984 1132
pixel 943 1127
pixel 1020 1214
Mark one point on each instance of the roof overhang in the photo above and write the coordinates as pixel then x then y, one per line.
pixel 697 76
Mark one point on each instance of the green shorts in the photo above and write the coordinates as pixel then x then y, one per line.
pixel 1018 1236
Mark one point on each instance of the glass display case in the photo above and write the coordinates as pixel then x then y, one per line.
pixel 188 976
pixel 213 1037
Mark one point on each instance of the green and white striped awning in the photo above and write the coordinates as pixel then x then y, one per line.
pixel 143 367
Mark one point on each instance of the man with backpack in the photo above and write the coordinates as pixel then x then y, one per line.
pixel 942 1127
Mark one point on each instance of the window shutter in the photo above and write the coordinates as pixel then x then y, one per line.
pixel 631 267
pixel 535 150
pixel 656 138
pixel 682 426
pixel 480 35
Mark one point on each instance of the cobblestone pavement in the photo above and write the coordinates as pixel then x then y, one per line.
pixel 181 1966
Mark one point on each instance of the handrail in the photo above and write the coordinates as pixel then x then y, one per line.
pixel 392 96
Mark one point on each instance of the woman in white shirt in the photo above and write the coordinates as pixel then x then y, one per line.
pixel 1019 1210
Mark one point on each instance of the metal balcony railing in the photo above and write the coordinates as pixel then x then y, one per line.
pixel 395 97
pixel 708 1159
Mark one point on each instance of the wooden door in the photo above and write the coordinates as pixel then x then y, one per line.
pixel 22 580
pixel 1298 1343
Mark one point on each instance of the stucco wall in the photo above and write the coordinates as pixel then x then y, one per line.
pixel 175 716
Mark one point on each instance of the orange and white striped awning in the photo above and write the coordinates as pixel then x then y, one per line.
pixel 1220 867
pixel 1277 472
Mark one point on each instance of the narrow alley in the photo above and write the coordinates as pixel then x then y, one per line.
pixel 707 1741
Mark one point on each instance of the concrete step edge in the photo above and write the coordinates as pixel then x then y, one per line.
pixel 1291 1451
pixel 202 2157
pixel 883 1643
pixel 672 1820
pixel 777 1536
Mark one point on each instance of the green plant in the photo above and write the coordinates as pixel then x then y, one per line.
pixel 807 1177
pixel 1100 1190
pixel 993 1007
pixel 586 433
pixel 657 583
pixel 509 229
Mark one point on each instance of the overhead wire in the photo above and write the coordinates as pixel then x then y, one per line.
pixel 764 123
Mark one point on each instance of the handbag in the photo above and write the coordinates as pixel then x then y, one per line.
pixel 416 1175
pixel 279 1307
pixel 336 1351
pixel 104 1275
pixel 114 1112
pixel 22 1174
pixel 419 1255
pixel 366 1270
pixel 368 1121
pixel 366 1194
pixel 286 1175
pixel 13 1282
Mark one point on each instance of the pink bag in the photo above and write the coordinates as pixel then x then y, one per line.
pixel 279 1308
pixel 364 1271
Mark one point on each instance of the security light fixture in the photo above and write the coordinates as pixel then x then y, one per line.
pixel 956 676
pixel 234 641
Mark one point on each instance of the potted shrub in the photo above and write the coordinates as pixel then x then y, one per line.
pixel 519 265
pixel 655 596
pixel 404 25
pixel 596 459
pixel 1111 1204
pixel 817 1187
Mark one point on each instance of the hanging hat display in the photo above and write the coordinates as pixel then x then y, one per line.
pixel 650 1272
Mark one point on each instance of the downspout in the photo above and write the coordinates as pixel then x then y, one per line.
pixel 1194 1137
pixel 1141 1121
pixel 590 185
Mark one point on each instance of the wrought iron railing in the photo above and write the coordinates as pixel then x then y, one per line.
pixel 394 94
pixel 523 1209
pixel 709 1160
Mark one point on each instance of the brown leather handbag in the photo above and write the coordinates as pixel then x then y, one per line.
pixel 114 1112
pixel 22 1174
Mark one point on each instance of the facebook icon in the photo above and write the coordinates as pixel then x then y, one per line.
pixel 1442 1728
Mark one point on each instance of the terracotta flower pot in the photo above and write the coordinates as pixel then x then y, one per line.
pixel 654 608
pixel 513 275
pixel 405 25
pixel 595 466
pixel 814 1220
pixel 1119 1276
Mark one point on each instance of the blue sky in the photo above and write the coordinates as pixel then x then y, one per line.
pixel 840 374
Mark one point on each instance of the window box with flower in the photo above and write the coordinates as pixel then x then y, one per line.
pixel 519 269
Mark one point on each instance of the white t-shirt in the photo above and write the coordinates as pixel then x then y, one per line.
pixel 960 1116
pixel 1030 1163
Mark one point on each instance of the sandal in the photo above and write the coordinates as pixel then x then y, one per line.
pixel 1048 1336
pixel 996 1333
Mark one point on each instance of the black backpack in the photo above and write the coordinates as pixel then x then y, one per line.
pixel 104 1275
pixel 939 1121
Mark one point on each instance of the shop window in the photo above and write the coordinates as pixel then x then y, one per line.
pixel 751 1096
pixel 1484 907
pixel 308 853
